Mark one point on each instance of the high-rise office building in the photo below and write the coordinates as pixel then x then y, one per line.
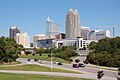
pixel 73 24
pixel 52 29
pixel 24 39
pixel 84 31
pixel 13 31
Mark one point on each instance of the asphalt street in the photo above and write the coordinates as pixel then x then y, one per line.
pixel 88 70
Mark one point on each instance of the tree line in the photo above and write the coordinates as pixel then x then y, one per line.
pixel 64 52
pixel 106 52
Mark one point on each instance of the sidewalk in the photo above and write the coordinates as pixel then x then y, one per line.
pixel 102 67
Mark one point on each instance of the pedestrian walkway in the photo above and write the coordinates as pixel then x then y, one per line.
pixel 103 67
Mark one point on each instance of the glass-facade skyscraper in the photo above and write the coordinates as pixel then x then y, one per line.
pixel 52 29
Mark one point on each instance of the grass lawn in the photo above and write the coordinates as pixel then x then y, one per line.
pixel 32 67
pixel 17 62
pixel 9 76
pixel 43 57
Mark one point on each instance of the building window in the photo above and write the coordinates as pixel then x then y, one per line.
pixel 81 43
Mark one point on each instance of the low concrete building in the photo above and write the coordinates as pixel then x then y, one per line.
pixel 38 37
pixel 51 43
pixel 60 36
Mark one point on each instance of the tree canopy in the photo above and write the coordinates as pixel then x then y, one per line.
pixel 9 49
pixel 105 53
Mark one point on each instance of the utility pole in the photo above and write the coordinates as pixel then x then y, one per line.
pixel 113 31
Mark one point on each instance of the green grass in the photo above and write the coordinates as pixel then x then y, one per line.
pixel 9 76
pixel 17 62
pixel 43 57
pixel 32 67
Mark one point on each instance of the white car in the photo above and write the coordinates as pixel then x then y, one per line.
pixel 42 62
pixel 55 62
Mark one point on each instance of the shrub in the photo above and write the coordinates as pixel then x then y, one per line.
pixel 77 60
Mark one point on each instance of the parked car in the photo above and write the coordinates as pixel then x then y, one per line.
pixel 75 65
pixel 81 65
pixel 59 63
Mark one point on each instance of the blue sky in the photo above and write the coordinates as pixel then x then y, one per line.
pixel 30 15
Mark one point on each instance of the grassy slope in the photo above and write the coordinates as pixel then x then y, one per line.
pixel 32 67
pixel 17 62
pixel 43 57
pixel 8 76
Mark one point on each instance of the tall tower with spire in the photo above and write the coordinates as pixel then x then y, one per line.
pixel 73 24
pixel 48 25
pixel 52 29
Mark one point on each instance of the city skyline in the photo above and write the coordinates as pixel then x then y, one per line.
pixel 31 16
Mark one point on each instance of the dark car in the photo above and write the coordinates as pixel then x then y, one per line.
pixel 75 66
pixel 81 65
pixel 28 59
pixel 60 63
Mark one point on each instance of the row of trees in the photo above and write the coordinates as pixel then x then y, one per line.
pixel 106 52
pixel 64 52
pixel 9 50
pixel 110 45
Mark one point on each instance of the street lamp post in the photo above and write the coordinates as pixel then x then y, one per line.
pixel 51 61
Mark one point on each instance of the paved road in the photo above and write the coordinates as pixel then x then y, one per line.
pixel 94 69
pixel 88 70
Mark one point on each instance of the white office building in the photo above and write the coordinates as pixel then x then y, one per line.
pixel 68 42
pixel 24 39
pixel 98 34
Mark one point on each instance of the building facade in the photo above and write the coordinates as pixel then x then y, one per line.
pixel 24 39
pixel 98 34
pixel 60 36
pixel 13 31
pixel 45 43
pixel 84 32
pixel 86 43
pixel 57 43
pixel 52 29
pixel 73 24
pixel 38 37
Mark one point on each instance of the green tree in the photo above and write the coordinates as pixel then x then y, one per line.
pixel 40 51
pixel 9 49
pixel 92 45
pixel 77 60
